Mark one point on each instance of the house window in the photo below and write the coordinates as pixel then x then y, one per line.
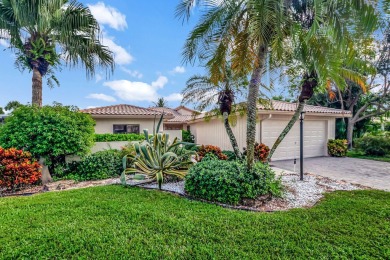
pixel 173 126
pixel 126 129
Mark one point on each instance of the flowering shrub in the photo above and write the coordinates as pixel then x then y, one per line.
pixel 337 147
pixel 205 149
pixel 17 169
pixel 261 152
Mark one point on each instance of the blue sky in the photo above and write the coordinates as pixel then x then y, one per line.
pixel 147 40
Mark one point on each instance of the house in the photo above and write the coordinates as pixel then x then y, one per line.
pixel 124 118
pixel 319 126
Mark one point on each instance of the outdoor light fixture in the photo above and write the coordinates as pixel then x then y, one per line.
pixel 301 118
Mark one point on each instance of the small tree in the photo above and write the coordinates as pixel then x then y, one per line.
pixel 51 132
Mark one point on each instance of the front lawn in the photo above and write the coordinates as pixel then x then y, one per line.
pixel 360 155
pixel 113 222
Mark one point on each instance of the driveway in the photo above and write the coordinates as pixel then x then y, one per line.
pixel 360 171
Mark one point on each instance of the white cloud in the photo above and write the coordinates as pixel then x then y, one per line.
pixel 122 56
pixel 135 90
pixel 4 43
pixel 174 97
pixel 178 69
pixel 108 15
pixel 91 107
pixel 103 97
pixel 98 77
pixel 133 73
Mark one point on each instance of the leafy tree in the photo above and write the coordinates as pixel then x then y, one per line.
pixel 202 91
pixel 46 33
pixel 12 105
pixel 161 102
pixel 51 132
pixel 1 111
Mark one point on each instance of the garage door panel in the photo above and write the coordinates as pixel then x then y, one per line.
pixel 314 138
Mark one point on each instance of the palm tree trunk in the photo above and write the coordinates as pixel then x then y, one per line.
pixel 230 133
pixel 286 130
pixel 253 95
pixel 350 126
pixel 37 88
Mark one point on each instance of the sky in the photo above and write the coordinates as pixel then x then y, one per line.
pixel 147 41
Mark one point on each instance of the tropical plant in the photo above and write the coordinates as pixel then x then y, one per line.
pixel 157 157
pixel 17 168
pixel 337 147
pixel 231 181
pixel 322 54
pixel 45 33
pixel 210 149
pixel 204 93
pixel 261 152
pixel 231 156
pixel 186 136
pixel 51 132
pixel 161 102
pixel 378 145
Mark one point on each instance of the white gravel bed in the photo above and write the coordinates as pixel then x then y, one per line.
pixel 297 194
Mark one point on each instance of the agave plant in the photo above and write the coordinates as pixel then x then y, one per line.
pixel 157 157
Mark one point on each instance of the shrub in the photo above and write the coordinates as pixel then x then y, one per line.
pixel 230 181
pixel 158 158
pixel 205 149
pixel 374 145
pixel 17 168
pixel 96 166
pixel 118 137
pixel 51 132
pixel 261 152
pixel 231 156
pixel 187 136
pixel 337 147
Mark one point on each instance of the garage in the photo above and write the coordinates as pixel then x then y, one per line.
pixel 319 127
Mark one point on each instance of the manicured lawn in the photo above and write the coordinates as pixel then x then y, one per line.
pixel 113 222
pixel 356 154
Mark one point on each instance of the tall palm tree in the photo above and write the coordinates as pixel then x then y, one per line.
pixel 241 32
pixel 320 59
pixel 46 33
pixel 161 102
pixel 248 30
pixel 204 93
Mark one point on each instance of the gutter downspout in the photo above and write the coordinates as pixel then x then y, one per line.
pixel 261 127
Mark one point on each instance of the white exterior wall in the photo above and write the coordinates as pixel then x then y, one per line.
pixel 173 134
pixel 105 125
pixel 317 130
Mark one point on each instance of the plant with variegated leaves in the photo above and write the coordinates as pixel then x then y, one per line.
pixel 157 157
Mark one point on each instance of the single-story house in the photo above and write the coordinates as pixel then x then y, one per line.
pixel 319 126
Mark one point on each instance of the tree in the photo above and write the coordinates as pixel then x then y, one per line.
pixel 207 94
pixel 46 33
pixel 12 105
pixel 161 102
pixel 1 111
pixel 51 132
pixel 239 32
pixel 320 57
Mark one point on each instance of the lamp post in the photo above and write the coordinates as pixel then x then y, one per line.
pixel 301 118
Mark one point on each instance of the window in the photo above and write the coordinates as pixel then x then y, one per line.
pixel 173 126
pixel 126 129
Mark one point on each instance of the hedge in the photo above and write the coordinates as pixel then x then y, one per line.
pixel 118 137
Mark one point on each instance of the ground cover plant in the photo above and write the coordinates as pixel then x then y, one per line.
pixel 361 155
pixel 112 222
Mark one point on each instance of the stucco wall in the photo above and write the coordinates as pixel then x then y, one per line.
pixel 105 125
pixel 173 134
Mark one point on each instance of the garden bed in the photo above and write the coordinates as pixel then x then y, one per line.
pixel 297 194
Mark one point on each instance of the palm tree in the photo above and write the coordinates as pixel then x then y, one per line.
pixel 45 33
pixel 319 62
pixel 161 102
pixel 202 91
pixel 248 30
pixel 241 32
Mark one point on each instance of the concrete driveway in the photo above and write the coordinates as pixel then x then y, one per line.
pixel 360 171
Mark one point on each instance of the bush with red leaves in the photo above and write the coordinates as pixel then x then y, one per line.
pixel 17 168
pixel 261 152
pixel 206 149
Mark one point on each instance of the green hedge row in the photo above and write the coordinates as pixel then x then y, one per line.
pixel 118 137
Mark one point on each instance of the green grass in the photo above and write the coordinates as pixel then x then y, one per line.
pixel 113 222
pixel 360 155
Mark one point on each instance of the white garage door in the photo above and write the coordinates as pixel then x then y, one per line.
pixel 314 138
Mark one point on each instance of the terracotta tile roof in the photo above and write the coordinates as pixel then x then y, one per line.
pixel 291 107
pixel 185 108
pixel 181 118
pixel 178 118
pixel 165 110
pixel 124 110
